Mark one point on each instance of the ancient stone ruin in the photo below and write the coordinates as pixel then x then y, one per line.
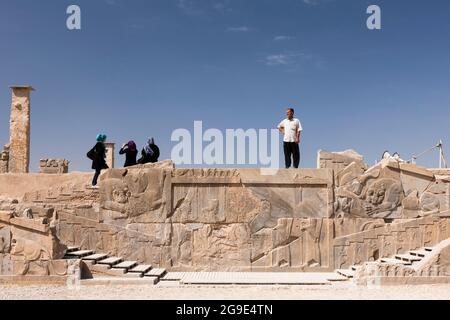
pixel 53 166
pixel 237 220
pixel 389 223
pixel 19 143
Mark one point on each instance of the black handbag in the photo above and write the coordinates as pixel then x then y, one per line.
pixel 91 154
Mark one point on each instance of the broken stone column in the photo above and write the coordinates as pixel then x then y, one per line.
pixel 110 148
pixel 19 130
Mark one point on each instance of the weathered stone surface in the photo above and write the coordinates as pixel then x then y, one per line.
pixel 338 161
pixel 53 166
pixel 4 160
pixel 19 136
pixel 376 193
pixel 234 219
pixel 5 239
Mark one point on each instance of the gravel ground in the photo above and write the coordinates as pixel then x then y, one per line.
pixel 176 292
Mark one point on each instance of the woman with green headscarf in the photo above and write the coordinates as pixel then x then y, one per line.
pixel 98 155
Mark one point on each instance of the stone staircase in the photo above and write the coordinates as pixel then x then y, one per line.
pixel 388 239
pixel 101 264
pixel 408 260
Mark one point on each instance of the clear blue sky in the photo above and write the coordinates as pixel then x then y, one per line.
pixel 142 68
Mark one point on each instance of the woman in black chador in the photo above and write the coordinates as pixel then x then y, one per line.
pixel 98 154
pixel 130 151
pixel 150 153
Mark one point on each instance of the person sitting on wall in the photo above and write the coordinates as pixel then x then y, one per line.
pixel 130 151
pixel 150 153
pixel 98 155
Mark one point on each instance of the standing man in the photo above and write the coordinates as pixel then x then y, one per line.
pixel 291 128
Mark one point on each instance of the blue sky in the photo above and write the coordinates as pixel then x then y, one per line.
pixel 142 68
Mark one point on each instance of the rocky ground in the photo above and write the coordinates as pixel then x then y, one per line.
pixel 176 292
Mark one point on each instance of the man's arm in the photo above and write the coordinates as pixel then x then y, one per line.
pixel 299 132
pixel 281 127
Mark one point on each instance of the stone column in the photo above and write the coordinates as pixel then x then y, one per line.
pixel 110 148
pixel 19 130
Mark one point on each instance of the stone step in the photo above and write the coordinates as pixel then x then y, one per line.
pixel 125 265
pixel 105 269
pixel 142 268
pixel 114 281
pixel 346 272
pixel 256 278
pixel 72 249
pixel 96 257
pixel 151 279
pixel 158 272
pixel 117 272
pixel 102 268
pixel 80 253
pixel 175 276
pixel 133 275
pixel 337 278
pixel 111 261
pixel 419 253
pixel 394 261
pixel 407 258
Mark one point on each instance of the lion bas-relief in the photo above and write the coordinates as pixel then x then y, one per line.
pixel 372 195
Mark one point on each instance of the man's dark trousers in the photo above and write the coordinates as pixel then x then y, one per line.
pixel 291 149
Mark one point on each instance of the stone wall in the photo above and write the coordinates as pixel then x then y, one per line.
pixel 15 186
pixel 209 219
pixel 28 243
pixel 241 219
pixel 339 160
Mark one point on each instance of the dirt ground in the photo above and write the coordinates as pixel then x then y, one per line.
pixel 177 292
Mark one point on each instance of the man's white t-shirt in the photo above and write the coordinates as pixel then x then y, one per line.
pixel 291 127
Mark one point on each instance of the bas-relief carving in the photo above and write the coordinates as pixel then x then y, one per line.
pixel 279 232
pixel 134 194
pixel 31 257
pixel 195 219
pixel 375 194
pixel 5 239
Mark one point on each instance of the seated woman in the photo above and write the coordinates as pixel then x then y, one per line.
pixel 130 151
pixel 150 153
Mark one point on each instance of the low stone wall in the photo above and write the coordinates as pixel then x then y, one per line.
pixel 17 185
